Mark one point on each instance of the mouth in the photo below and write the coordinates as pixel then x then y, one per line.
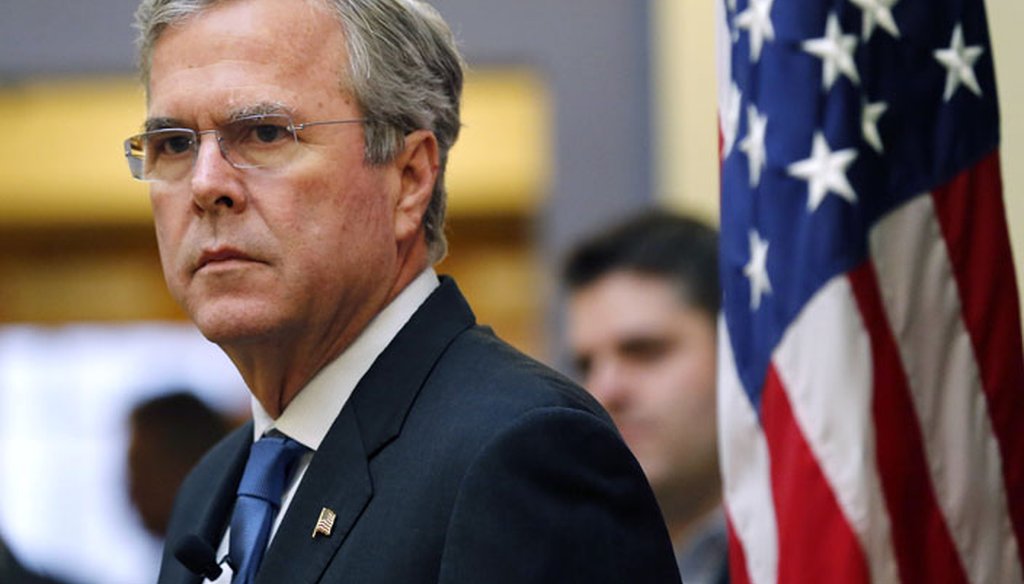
pixel 221 256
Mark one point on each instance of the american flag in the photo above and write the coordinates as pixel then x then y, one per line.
pixel 871 384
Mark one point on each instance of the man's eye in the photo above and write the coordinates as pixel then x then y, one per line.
pixel 645 350
pixel 170 145
pixel 267 133
pixel 582 363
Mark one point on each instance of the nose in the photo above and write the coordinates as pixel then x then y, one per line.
pixel 609 384
pixel 216 185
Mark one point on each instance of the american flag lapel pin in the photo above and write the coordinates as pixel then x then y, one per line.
pixel 325 523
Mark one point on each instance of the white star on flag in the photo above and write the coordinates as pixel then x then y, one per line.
pixel 869 115
pixel 959 60
pixel 757 19
pixel 825 171
pixel 878 12
pixel 734 33
pixel 835 50
pixel 753 144
pixel 730 119
pixel 756 270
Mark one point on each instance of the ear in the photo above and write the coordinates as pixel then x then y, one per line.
pixel 418 165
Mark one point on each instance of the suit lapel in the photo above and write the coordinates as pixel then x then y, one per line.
pixel 385 394
pixel 217 508
pixel 213 502
pixel 338 477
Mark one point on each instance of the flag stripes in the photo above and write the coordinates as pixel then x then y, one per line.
pixel 743 456
pixel 915 275
pixel 737 559
pixel 824 364
pixel 918 529
pixel 970 212
pixel 816 543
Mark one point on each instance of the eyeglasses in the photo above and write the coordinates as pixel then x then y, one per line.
pixel 261 141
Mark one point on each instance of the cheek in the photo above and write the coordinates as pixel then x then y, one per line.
pixel 169 229
pixel 687 385
pixel 333 230
pixel 333 203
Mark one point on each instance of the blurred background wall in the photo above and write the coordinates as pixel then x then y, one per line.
pixel 576 112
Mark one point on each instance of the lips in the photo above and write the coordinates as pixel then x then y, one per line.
pixel 221 255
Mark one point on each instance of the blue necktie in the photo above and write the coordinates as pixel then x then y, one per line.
pixel 271 460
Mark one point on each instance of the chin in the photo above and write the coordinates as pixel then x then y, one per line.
pixel 230 322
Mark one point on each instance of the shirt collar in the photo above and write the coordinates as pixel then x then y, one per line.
pixel 310 414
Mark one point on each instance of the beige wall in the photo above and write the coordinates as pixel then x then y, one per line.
pixel 1005 18
pixel 686 108
pixel 685 112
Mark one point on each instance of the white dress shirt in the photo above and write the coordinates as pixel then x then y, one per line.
pixel 310 414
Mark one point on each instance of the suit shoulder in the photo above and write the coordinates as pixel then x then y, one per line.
pixel 556 483
pixel 485 371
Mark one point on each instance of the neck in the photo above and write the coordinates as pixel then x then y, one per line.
pixel 682 529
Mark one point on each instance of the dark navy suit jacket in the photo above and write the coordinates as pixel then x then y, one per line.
pixel 456 460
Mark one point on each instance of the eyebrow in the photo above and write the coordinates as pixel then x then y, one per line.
pixel 162 124
pixel 256 109
pixel 259 109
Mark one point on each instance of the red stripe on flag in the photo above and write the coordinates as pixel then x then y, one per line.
pixel 924 548
pixel 737 557
pixel 973 221
pixel 816 544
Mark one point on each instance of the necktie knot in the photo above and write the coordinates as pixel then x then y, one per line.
pixel 271 461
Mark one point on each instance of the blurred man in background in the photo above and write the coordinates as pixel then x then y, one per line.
pixel 168 435
pixel 643 302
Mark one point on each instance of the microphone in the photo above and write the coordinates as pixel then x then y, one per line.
pixel 198 556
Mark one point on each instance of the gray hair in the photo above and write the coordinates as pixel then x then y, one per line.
pixel 404 70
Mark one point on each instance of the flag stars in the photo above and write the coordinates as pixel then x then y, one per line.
pixel 756 270
pixel 877 12
pixel 835 50
pixel 869 115
pixel 734 33
pixel 959 61
pixel 753 144
pixel 730 119
pixel 758 21
pixel 825 172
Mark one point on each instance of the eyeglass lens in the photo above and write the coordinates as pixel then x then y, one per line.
pixel 250 142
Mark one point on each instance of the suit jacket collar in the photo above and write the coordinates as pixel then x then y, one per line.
pixel 338 477
pixel 384 395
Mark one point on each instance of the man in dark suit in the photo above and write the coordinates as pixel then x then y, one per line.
pixel 295 152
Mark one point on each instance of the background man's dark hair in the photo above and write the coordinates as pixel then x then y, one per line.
pixel 169 434
pixel 656 243
pixel 182 419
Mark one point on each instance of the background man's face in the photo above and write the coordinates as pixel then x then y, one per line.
pixel 650 361
pixel 302 247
